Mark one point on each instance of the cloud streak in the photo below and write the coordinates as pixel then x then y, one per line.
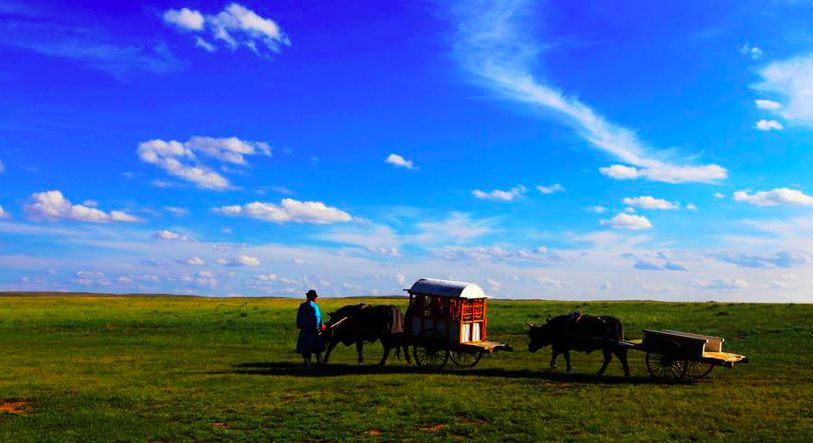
pixel 494 46
pixel 289 210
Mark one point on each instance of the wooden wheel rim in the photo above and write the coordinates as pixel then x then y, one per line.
pixel 431 351
pixel 466 359
pixel 666 367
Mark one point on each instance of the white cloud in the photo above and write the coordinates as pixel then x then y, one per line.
pixel 166 234
pixel 497 194
pixel 767 125
pixel 628 221
pixel 597 209
pixel 205 45
pixel 497 254
pixel 457 228
pixel 780 259
pixel 723 284
pixel 3 213
pixel 246 260
pixel 122 216
pixel 770 105
pixel 176 211
pixel 185 19
pixel 719 195
pixel 494 46
pixel 52 205
pixel 792 79
pixel 493 285
pixel 195 261
pixel 668 173
pixel 234 26
pixel 775 197
pixel 228 150
pixel 180 159
pixel 289 210
pixel 755 53
pixel 620 172
pixel 266 277
pixel 691 207
pixel 550 282
pixel 552 189
pixel 649 202
pixel 397 160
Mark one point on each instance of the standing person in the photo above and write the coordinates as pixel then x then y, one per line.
pixel 309 322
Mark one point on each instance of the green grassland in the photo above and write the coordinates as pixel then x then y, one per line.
pixel 90 368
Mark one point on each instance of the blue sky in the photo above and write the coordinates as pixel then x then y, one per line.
pixel 599 150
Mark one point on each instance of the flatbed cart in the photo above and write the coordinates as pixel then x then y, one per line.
pixel 447 320
pixel 680 355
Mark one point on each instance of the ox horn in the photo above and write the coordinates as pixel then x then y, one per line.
pixel 530 325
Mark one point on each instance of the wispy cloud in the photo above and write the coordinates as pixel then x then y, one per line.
pixel 649 202
pixel 94 48
pixel 552 189
pixel 500 195
pixel 494 45
pixel 168 235
pixel 792 79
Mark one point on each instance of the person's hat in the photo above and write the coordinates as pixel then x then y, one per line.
pixel 311 295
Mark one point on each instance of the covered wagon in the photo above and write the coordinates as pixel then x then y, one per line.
pixel 447 319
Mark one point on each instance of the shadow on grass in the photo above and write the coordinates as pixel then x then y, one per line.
pixel 335 370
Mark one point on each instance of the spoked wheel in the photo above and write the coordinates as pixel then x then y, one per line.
pixel 666 367
pixel 466 359
pixel 698 370
pixel 430 350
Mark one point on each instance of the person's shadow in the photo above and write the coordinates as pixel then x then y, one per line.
pixel 287 368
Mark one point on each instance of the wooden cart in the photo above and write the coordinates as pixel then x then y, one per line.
pixel 682 355
pixel 447 320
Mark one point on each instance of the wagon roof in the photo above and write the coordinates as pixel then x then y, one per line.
pixel 447 288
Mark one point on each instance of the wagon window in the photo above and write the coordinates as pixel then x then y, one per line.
pixel 426 306
pixel 467 310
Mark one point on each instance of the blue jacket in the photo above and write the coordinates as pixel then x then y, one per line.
pixel 309 316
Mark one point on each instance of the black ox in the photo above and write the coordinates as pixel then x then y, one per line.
pixel 584 333
pixel 366 323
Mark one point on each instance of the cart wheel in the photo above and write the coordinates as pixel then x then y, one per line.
pixel 466 359
pixel 698 370
pixel 665 367
pixel 430 350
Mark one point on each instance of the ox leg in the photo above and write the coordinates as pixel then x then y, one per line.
pixel 387 348
pixel 567 360
pixel 406 352
pixel 360 350
pixel 608 355
pixel 621 353
pixel 330 347
pixel 553 358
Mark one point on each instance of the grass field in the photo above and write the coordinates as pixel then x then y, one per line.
pixel 87 368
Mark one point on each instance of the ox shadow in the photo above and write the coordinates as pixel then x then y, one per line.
pixel 286 368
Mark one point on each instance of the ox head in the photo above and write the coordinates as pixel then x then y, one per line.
pixel 539 335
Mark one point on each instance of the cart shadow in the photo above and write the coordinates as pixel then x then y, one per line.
pixel 337 370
